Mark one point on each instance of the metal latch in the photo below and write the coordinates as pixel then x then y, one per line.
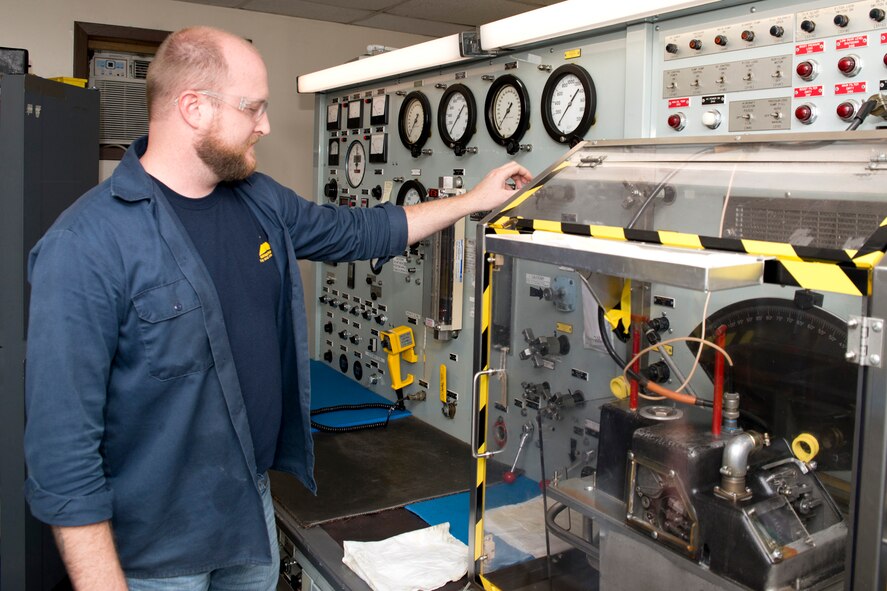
pixel 865 340
pixel 591 161
pixel 878 161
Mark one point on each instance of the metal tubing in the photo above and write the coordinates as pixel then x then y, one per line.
pixel 720 340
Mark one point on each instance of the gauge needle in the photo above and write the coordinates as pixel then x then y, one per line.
pixel 567 108
pixel 506 114
pixel 456 120
pixel 415 120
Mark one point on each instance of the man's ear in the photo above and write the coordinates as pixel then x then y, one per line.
pixel 192 110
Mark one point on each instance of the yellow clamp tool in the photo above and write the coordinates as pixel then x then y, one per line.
pixel 399 342
pixel 805 447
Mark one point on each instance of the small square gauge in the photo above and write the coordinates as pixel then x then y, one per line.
pixel 333 117
pixel 332 155
pixel 379 148
pixel 355 114
pixel 379 111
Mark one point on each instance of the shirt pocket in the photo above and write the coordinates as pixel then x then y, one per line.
pixel 173 331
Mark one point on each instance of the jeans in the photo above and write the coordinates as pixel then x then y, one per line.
pixel 251 577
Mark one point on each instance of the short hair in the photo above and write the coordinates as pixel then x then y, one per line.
pixel 189 58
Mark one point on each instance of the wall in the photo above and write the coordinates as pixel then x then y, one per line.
pixel 290 46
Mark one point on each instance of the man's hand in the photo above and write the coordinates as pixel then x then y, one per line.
pixel 90 557
pixel 493 190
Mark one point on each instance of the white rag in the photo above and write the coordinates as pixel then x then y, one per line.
pixel 419 560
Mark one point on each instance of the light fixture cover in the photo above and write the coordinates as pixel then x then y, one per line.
pixel 422 56
pixel 572 16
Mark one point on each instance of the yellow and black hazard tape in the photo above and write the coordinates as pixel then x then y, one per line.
pixel 823 269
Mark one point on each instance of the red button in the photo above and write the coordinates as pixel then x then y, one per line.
pixel 676 122
pixel 804 70
pixel 847 65
pixel 846 110
pixel 803 113
pixel 695 44
pixel 885 59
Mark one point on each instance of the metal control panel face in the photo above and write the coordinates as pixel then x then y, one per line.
pixel 724 72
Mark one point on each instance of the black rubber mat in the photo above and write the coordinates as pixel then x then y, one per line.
pixel 377 469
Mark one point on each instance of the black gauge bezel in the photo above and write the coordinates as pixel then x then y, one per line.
pixel 354 122
pixel 333 159
pixel 415 148
pixel 510 142
pixel 590 104
pixel 348 164
pixel 379 158
pixel 379 119
pixel 357 370
pixel 457 145
pixel 405 188
pixel 337 124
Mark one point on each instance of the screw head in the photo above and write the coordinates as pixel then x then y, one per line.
pixel 877 326
pixel 850 355
pixel 875 359
pixel 853 323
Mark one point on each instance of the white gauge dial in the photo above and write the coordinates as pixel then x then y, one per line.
pixel 356 163
pixel 413 120
pixel 334 148
pixel 377 143
pixel 507 111
pixel 380 104
pixel 568 104
pixel 456 116
pixel 412 197
pixel 354 109
pixel 332 113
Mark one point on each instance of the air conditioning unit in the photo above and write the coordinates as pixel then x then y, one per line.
pixel 121 79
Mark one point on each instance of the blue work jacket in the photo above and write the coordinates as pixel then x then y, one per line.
pixel 134 408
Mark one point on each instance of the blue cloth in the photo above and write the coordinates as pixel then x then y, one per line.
pixel 330 388
pixel 247 577
pixel 134 408
pixel 230 243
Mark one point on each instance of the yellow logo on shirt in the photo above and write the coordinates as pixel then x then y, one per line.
pixel 265 252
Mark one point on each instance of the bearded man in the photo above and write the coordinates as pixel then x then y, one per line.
pixel 167 347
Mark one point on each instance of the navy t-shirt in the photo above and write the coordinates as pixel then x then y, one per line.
pixel 237 255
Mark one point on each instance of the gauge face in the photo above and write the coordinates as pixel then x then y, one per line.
pixel 507 112
pixel 333 153
pixel 568 104
pixel 379 110
pixel 355 113
pixel 356 162
pixel 379 148
pixel 411 193
pixel 414 122
pixel 332 116
pixel 456 117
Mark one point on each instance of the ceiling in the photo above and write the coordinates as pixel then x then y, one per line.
pixel 435 18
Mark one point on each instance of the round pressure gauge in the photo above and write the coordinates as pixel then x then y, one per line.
pixel 507 112
pixel 568 104
pixel 414 122
pixel 356 162
pixel 457 117
pixel 411 193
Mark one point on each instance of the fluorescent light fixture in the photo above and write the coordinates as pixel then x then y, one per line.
pixel 422 56
pixel 573 16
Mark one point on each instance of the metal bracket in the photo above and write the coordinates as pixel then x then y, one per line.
pixel 591 161
pixel 865 337
pixel 469 45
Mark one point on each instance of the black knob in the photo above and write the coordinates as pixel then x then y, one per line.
pixel 376 192
pixel 721 40
pixel 328 327
pixel 367 314
pixel 356 339
pixel 334 302
pixel 876 14
pixel 777 31
pixel 344 334
pixel 671 48
pixel 328 356
pixel 842 20
pixel 458 149
pixel 343 306
pixel 323 299
pixel 374 296
pixel 331 189
pixel 808 26
pixel 381 319
pixel 355 311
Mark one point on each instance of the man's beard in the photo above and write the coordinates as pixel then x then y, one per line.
pixel 229 163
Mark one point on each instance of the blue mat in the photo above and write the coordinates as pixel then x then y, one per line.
pixel 455 508
pixel 331 388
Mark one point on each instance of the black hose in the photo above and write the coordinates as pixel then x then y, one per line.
pixel 864 111
pixel 605 337
pixel 340 407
